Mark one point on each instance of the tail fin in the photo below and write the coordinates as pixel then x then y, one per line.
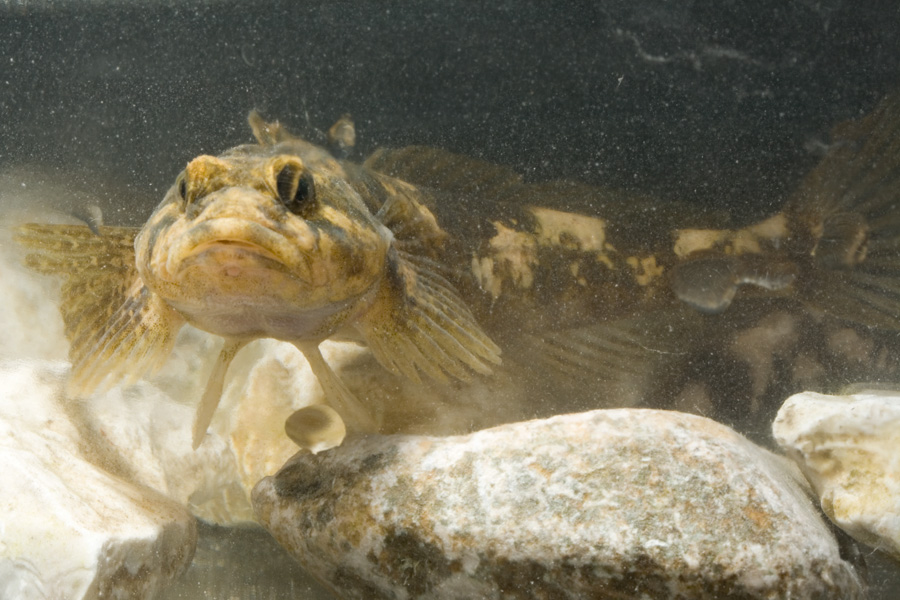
pixel 847 213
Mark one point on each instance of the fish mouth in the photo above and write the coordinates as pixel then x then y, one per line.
pixel 235 244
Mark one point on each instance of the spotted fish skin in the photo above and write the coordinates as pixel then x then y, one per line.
pixel 565 253
pixel 267 240
pixel 602 295
pixel 410 250
pixel 560 254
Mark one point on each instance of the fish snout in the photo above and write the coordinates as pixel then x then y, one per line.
pixel 234 204
pixel 225 235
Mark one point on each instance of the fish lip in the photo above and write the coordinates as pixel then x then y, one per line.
pixel 237 244
pixel 239 233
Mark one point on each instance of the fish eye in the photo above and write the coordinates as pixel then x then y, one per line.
pixel 182 186
pixel 295 187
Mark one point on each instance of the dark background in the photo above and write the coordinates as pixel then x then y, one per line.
pixel 725 103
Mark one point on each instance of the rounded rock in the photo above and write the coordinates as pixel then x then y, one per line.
pixel 847 448
pixel 606 504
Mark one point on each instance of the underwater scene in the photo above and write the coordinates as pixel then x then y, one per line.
pixel 449 300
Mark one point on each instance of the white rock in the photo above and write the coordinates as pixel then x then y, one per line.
pixel 618 503
pixel 75 519
pixel 849 449
pixel 128 450
pixel 69 528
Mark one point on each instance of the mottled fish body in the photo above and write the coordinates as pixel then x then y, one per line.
pixel 598 294
pixel 280 239
pixel 264 241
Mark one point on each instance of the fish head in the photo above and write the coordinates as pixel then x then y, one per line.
pixel 264 242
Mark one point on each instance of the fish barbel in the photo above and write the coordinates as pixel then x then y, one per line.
pixel 412 249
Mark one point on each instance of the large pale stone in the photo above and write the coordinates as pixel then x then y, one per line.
pixel 849 449
pixel 68 527
pixel 605 504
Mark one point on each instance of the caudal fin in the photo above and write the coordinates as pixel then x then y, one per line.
pixel 847 212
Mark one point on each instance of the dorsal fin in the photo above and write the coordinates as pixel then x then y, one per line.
pixel 415 228
pixel 267 133
pixel 464 193
pixel 116 327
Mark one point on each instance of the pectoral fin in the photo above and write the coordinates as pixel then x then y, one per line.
pixel 606 350
pixel 336 393
pixel 419 323
pixel 213 392
pixel 117 328
pixel 607 363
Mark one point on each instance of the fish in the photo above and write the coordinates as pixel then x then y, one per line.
pixel 267 240
pixel 564 248
pixel 603 294
pixel 440 262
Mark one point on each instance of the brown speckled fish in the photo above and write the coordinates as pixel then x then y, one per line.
pixel 571 251
pixel 265 241
pixel 579 285
pixel 602 295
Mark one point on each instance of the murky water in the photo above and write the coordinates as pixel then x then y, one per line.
pixel 696 102
pixel 246 563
